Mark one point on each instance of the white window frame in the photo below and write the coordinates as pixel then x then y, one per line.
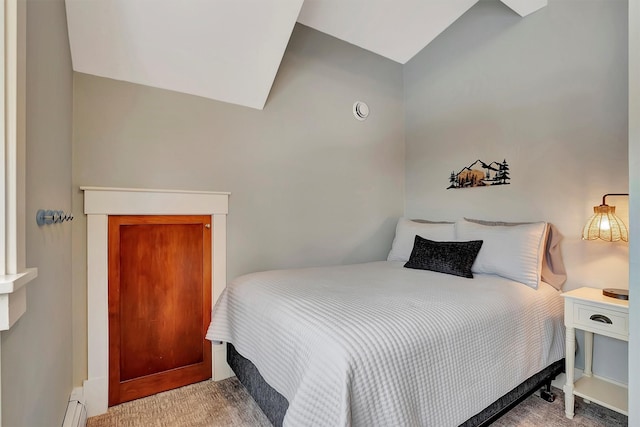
pixel 13 274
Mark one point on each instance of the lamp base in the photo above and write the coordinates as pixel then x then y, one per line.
pixel 616 293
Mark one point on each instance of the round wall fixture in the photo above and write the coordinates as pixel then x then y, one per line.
pixel 360 110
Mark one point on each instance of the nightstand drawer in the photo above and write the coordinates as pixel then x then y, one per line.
pixel 600 319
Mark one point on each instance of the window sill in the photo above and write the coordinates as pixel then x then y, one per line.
pixel 13 296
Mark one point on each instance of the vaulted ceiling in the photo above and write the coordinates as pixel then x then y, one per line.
pixel 230 50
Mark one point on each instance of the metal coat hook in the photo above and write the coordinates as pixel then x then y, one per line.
pixel 45 217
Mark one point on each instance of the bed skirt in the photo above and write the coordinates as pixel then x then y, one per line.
pixel 274 405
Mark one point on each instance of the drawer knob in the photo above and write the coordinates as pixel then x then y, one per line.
pixel 601 318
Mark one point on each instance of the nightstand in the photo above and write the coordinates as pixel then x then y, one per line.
pixel 587 309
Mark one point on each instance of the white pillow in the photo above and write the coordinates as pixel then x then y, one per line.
pixel 406 232
pixel 513 251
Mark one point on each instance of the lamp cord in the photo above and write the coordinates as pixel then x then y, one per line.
pixel 612 194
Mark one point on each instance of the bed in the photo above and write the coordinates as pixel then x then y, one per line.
pixel 384 344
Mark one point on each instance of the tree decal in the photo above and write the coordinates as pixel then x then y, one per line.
pixel 481 174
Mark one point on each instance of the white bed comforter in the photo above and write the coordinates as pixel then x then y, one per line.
pixel 377 344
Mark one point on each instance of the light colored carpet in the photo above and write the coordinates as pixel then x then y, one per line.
pixel 226 403
pixel 205 404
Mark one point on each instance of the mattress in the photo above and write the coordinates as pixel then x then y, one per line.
pixel 377 344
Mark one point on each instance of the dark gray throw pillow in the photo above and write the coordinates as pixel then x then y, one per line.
pixel 444 257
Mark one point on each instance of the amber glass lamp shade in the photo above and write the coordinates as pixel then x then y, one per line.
pixel 605 225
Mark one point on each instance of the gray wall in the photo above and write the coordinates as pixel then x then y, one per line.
pixel 37 350
pixel 310 184
pixel 549 94
pixel 634 184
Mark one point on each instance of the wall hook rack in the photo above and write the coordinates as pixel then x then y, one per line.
pixel 45 217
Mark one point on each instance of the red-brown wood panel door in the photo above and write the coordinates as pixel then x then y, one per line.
pixel 159 303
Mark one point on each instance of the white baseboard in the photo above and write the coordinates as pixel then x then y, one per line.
pixel 96 395
pixel 76 414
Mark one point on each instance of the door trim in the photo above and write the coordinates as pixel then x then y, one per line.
pixel 100 202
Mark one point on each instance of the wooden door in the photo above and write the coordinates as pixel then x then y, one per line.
pixel 159 303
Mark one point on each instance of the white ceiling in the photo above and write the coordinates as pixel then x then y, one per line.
pixel 394 29
pixel 230 50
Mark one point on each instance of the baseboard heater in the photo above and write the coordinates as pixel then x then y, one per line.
pixel 76 415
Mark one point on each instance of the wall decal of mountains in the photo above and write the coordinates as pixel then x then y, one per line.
pixel 480 174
